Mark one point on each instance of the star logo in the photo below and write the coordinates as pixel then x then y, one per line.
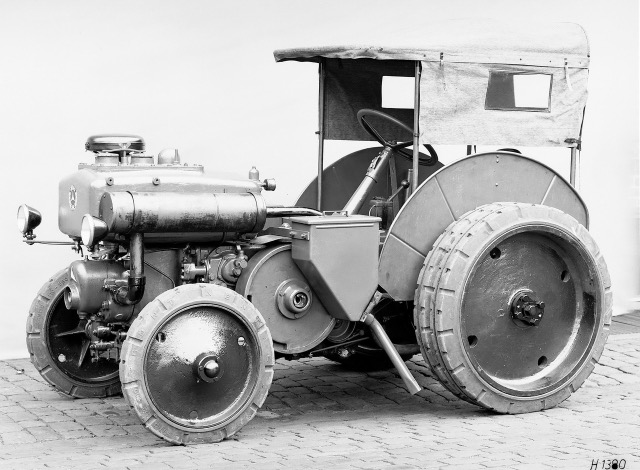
pixel 73 198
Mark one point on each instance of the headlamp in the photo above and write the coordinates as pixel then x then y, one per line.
pixel 28 219
pixel 92 230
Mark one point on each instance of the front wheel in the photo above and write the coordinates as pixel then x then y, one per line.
pixel 197 363
pixel 59 347
pixel 513 306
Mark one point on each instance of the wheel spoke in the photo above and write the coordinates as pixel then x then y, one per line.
pixel 83 351
pixel 68 345
pixel 79 330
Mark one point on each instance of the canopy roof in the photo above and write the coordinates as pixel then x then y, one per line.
pixel 482 82
pixel 468 41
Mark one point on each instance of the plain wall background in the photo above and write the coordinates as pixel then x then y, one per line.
pixel 200 76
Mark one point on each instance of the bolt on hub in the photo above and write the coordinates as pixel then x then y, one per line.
pixel 527 310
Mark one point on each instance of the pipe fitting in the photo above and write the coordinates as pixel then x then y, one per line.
pixel 136 281
pixel 72 296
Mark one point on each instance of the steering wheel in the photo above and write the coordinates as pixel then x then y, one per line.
pixel 392 144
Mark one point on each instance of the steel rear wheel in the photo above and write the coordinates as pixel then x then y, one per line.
pixel 197 364
pixel 58 346
pixel 513 307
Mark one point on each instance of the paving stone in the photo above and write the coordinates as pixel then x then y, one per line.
pixel 54 418
pixel 44 434
pixel 92 420
pixel 11 407
pixel 21 416
pixel 32 424
pixel 66 426
pixel 17 437
pixel 10 427
pixel 75 434
pixel 102 430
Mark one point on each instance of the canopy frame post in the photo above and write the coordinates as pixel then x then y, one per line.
pixel 574 171
pixel 416 126
pixel 575 167
pixel 321 101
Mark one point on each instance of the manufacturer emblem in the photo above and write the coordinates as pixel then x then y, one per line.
pixel 73 198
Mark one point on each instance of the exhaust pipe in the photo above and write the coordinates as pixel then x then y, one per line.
pixel 137 279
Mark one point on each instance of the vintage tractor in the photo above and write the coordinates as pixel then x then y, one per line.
pixel 190 287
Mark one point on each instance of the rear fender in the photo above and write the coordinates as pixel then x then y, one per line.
pixel 455 190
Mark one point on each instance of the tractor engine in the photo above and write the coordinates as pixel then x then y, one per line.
pixel 149 225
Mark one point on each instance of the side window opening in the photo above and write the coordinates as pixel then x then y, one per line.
pixel 397 92
pixel 519 91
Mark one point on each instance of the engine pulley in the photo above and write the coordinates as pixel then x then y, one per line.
pixel 277 288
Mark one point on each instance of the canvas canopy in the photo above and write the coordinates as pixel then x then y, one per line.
pixel 471 75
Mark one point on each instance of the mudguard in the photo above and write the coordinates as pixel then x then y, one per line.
pixel 455 190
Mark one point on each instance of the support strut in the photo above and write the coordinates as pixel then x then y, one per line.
pixel 381 336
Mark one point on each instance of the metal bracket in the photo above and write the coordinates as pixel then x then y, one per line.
pixel 286 231
pixel 31 241
pixel 299 234
pixel 330 213
pixel 577 143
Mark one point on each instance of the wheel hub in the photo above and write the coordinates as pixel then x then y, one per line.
pixel 526 310
pixel 206 367
pixel 293 298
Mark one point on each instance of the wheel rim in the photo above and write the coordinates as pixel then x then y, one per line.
pixel 550 266
pixel 68 346
pixel 182 349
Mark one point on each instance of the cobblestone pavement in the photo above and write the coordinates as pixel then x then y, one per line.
pixel 319 415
